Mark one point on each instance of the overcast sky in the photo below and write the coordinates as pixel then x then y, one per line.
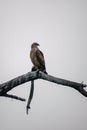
pixel 60 27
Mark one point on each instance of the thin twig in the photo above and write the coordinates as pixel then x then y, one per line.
pixel 14 97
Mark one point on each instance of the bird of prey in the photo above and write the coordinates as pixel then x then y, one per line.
pixel 37 58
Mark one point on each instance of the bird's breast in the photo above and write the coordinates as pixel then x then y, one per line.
pixel 34 59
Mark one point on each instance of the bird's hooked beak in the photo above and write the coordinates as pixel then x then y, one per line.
pixel 37 44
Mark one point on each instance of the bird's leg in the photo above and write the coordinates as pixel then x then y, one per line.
pixel 33 69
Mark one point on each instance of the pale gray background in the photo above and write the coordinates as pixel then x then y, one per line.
pixel 60 27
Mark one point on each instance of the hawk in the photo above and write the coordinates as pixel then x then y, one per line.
pixel 37 58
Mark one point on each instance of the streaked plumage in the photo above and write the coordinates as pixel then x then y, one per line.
pixel 37 57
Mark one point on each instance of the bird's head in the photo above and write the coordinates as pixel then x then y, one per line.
pixel 34 45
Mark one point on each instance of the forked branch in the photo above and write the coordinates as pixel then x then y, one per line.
pixel 30 76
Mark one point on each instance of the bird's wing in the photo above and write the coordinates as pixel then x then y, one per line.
pixel 40 58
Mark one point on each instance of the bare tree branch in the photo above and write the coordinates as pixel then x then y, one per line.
pixel 30 96
pixel 78 86
pixel 14 97
pixel 33 69
pixel 5 87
